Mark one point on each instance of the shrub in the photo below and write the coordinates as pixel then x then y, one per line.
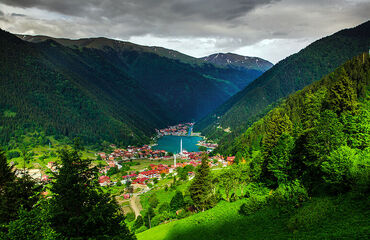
pixel 337 166
pixel 138 222
pixel 290 194
pixel 360 169
pixel 13 154
pixel 253 204
pixel 164 207
pixel 141 229
pixel 130 216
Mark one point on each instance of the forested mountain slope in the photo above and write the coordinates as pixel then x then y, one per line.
pixel 102 89
pixel 286 77
pixel 187 88
pixel 327 121
pixel 37 94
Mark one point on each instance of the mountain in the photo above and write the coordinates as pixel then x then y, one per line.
pixel 103 89
pixel 238 61
pixel 289 75
pixel 179 82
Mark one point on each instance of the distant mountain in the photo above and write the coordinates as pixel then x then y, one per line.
pixel 103 89
pixel 284 78
pixel 238 61
pixel 185 87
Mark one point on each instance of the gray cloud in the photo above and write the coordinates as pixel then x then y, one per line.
pixel 1 13
pixel 17 15
pixel 215 25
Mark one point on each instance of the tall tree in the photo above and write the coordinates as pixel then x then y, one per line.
pixel 6 171
pixel 15 192
pixel 79 208
pixel 201 188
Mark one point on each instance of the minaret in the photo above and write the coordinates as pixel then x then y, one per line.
pixel 181 146
pixel 174 160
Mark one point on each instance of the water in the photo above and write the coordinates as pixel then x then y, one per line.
pixel 172 143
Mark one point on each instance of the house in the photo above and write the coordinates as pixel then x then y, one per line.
pixel 104 180
pixel 230 160
pixel 141 180
pixel 45 178
pixel 149 174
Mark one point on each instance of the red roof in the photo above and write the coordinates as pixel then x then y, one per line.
pixel 230 158
pixel 103 179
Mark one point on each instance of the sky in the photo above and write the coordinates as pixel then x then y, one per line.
pixel 270 29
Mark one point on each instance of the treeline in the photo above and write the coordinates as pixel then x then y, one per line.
pixel 71 206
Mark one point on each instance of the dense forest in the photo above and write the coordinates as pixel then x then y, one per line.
pixel 319 132
pixel 104 90
pixel 286 77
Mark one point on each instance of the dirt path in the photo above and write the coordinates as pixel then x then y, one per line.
pixel 135 205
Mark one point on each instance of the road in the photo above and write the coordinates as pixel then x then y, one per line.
pixel 135 202
pixel 134 206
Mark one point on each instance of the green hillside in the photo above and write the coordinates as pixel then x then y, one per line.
pixel 102 89
pixel 305 166
pixel 286 77
pixel 320 218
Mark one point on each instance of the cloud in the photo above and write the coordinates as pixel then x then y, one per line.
pixel 17 15
pixel 1 13
pixel 195 27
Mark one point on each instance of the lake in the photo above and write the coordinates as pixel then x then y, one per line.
pixel 172 143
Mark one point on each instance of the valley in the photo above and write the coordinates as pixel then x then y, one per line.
pixel 105 138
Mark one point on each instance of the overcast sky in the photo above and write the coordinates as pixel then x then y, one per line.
pixel 271 29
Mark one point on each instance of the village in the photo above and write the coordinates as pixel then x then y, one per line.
pixel 182 129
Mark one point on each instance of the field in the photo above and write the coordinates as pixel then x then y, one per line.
pixel 345 217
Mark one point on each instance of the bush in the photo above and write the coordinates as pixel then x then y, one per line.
pixel 253 204
pixel 138 222
pixel 141 229
pixel 360 169
pixel 164 207
pixel 290 194
pixel 337 166
pixel 13 154
pixel 130 216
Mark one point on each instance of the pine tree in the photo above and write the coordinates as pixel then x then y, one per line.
pixel 6 171
pixel 177 201
pixel 15 192
pixel 79 208
pixel 201 188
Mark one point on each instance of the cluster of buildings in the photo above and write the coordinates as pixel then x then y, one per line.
pixel 208 145
pixel 134 153
pixel 181 129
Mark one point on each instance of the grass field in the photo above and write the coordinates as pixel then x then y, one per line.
pixel 144 163
pixel 344 217
pixel 162 195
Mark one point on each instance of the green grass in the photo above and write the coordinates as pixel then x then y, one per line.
pixel 345 217
pixel 144 163
pixel 162 195
pixel 9 114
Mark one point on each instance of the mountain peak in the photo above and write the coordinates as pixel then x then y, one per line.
pixel 238 61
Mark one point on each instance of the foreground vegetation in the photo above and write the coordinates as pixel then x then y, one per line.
pixel 328 217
